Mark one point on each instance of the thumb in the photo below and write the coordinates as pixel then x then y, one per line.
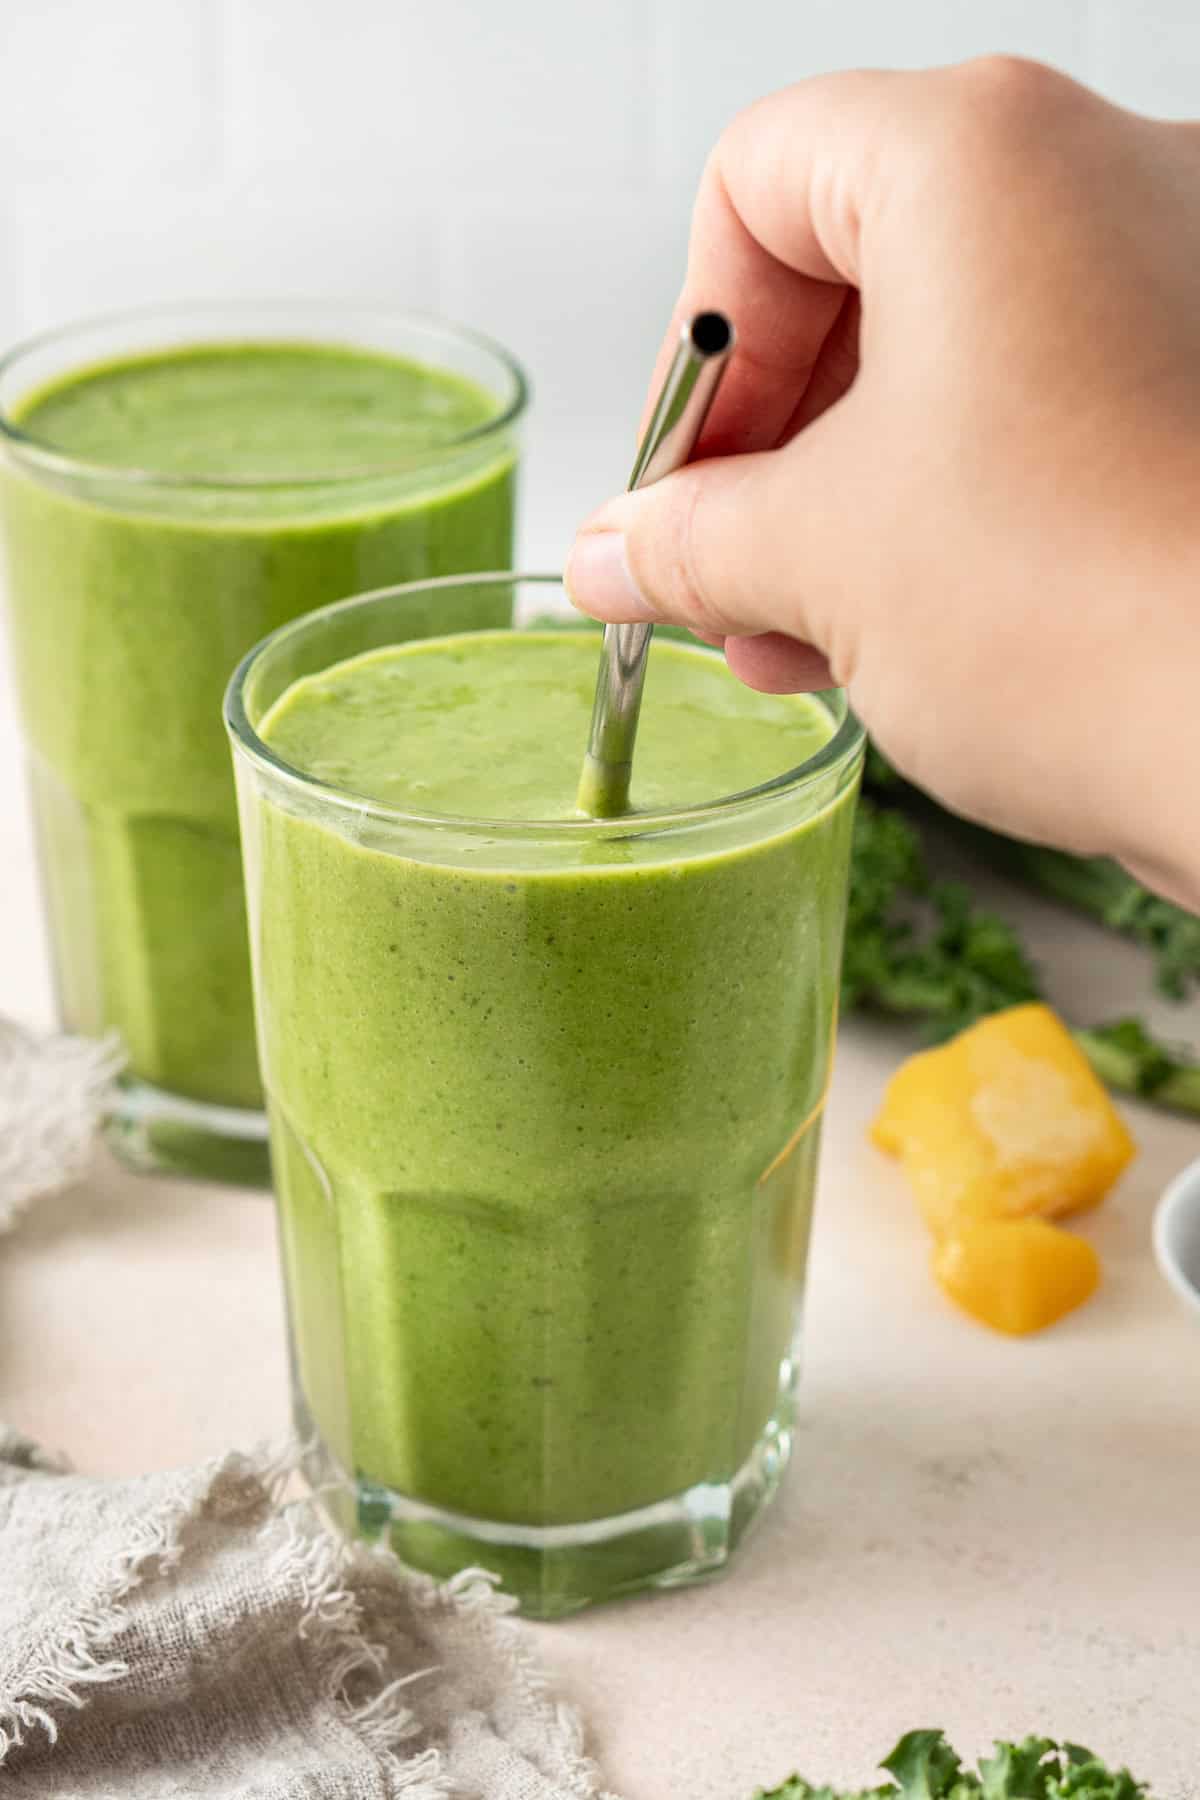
pixel 721 547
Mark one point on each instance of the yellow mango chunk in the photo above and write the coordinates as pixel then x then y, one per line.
pixel 1006 1121
pixel 1016 1275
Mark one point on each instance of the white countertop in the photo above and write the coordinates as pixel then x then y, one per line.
pixel 995 1536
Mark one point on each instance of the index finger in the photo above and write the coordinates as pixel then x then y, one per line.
pixel 774 244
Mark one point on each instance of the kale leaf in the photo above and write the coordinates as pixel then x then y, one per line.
pixel 920 948
pixel 925 950
pixel 924 1767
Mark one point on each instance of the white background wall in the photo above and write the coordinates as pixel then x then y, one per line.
pixel 526 166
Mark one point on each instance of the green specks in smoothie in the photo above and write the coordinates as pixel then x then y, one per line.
pixel 275 411
pixel 408 726
pixel 600 1313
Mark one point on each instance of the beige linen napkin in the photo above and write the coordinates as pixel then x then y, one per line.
pixel 191 1634
pixel 53 1093
pixel 188 1634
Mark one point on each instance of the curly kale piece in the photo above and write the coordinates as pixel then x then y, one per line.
pixel 1127 1058
pixel 1093 885
pixel 1108 894
pixel 916 947
pixel 925 950
pixel 924 1767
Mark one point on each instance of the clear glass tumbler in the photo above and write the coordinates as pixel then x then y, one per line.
pixel 545 1102
pixel 135 584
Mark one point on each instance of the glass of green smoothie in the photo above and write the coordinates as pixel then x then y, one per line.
pixel 175 484
pixel 545 1092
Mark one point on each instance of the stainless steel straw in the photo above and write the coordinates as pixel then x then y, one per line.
pixel 705 343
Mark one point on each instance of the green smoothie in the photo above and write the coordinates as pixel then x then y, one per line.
pixel 276 477
pixel 545 1101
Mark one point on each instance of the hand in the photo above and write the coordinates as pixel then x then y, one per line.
pixel 955 464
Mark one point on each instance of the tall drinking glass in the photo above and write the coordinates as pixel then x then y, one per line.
pixel 545 1101
pixel 175 484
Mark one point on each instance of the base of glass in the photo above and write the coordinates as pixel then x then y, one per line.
pixel 558 1570
pixel 157 1132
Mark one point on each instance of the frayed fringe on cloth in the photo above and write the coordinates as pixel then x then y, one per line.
pixel 54 1091
pixel 193 1621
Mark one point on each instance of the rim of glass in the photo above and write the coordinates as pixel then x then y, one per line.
pixel 45 455
pixel 848 736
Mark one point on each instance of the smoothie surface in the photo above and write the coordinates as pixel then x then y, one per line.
pixel 271 411
pixel 493 725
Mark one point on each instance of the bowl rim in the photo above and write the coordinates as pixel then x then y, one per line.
pixel 1180 1192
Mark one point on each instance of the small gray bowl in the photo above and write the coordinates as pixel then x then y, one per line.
pixel 1177 1235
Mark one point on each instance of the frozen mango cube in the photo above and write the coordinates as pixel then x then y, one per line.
pixel 1016 1275
pixel 1006 1121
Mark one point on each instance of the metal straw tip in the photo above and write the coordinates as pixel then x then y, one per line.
pixel 711 333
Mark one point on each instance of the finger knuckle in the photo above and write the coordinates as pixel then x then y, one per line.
pixel 985 132
pixel 1003 99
